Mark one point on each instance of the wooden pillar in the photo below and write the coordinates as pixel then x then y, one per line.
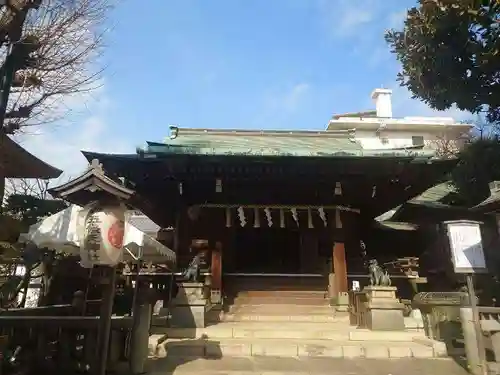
pixel 340 268
pixel 340 286
pixel 216 271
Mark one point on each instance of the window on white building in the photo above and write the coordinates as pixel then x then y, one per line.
pixel 417 140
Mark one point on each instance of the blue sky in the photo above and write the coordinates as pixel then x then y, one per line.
pixel 262 64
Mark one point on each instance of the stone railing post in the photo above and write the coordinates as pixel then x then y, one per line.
pixel 471 340
pixel 141 312
pixel 495 343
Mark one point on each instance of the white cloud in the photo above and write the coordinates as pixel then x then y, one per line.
pixel 85 129
pixel 286 100
pixel 279 105
pixel 293 98
pixel 395 20
pixel 378 56
pixel 344 18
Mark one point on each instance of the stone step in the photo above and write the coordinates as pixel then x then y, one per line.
pixel 287 330
pixel 275 282
pixel 206 348
pixel 262 330
pixel 317 318
pixel 283 309
pixel 278 313
pixel 301 366
pixel 283 293
pixel 410 324
pixel 281 300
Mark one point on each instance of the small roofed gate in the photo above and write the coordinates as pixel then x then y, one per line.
pixel 96 227
pixel 322 188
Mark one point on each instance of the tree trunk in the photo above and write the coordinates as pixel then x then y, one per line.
pixel 2 190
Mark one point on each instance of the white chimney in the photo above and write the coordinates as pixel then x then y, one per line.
pixel 382 98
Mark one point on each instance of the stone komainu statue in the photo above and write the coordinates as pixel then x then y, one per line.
pixel 192 272
pixel 378 276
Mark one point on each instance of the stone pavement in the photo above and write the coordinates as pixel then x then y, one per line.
pixel 312 366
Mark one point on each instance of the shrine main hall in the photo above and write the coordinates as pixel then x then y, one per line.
pixel 275 209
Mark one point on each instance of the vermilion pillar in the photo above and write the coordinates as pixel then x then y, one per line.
pixel 340 286
pixel 340 268
pixel 216 271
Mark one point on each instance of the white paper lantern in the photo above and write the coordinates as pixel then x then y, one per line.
pixel 102 235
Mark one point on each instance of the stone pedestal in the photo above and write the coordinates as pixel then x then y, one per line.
pixel 383 311
pixel 331 285
pixel 342 302
pixel 188 308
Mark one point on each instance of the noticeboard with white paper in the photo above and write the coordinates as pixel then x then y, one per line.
pixel 466 246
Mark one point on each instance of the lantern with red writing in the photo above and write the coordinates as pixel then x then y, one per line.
pixel 102 242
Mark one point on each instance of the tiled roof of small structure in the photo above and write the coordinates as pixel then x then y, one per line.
pixel 492 203
pixel 16 162
pixel 492 199
pixel 436 193
pixel 431 196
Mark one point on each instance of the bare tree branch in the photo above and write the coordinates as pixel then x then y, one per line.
pixel 27 186
pixel 447 145
pixel 70 33
pixel 35 187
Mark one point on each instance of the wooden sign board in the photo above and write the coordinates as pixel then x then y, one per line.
pixel 466 246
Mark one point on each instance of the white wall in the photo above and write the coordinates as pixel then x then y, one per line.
pixel 399 138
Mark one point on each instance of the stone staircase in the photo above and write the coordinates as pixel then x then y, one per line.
pixel 289 324
pixel 280 306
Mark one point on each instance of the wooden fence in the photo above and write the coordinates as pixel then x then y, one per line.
pixel 55 340
pixel 490 326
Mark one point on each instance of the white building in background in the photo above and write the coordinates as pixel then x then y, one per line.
pixel 379 129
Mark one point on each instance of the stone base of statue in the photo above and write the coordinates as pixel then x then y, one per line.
pixel 342 303
pixel 188 308
pixel 383 311
pixel 331 286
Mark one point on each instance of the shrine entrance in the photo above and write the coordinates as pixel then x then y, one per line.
pixel 265 260
pixel 264 251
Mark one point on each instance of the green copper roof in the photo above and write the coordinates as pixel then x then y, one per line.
pixel 492 203
pixel 431 196
pixel 489 202
pixel 272 143
pixel 435 193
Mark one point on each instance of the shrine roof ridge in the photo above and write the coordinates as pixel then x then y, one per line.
pixel 175 132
